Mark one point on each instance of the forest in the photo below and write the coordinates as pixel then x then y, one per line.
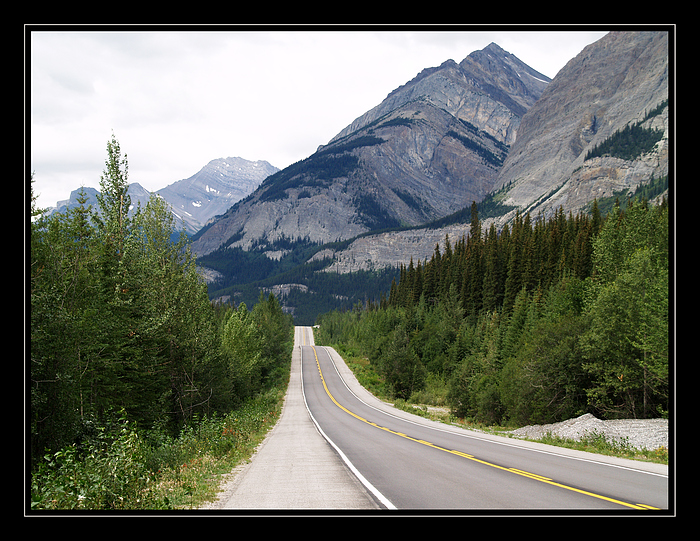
pixel 127 353
pixel 540 322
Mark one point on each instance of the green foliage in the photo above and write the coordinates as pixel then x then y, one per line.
pixel 488 156
pixel 372 213
pixel 538 323
pixel 120 320
pixel 247 272
pixel 317 169
pixel 632 141
pixel 627 345
pixel 118 467
pixel 401 366
pixel 629 143
pixel 108 472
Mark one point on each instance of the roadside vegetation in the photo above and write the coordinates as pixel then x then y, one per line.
pixel 431 403
pixel 140 390
pixel 541 322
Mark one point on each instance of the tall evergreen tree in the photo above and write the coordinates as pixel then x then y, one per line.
pixel 493 272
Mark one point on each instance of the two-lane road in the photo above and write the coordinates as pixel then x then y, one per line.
pixel 408 463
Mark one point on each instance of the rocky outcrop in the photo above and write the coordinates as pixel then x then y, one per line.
pixel 612 83
pixel 376 252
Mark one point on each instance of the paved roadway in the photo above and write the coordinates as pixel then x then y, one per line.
pixel 372 455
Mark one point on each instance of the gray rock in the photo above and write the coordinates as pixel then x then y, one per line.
pixel 647 434
pixel 611 83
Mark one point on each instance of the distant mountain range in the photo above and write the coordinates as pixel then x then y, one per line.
pixel 199 198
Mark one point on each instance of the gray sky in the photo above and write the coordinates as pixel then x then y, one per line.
pixel 176 100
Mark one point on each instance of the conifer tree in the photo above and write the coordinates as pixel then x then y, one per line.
pixel 493 272
pixel 513 283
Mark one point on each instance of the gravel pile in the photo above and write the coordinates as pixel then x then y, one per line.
pixel 647 434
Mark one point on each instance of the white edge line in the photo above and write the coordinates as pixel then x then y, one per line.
pixel 369 486
pixel 507 444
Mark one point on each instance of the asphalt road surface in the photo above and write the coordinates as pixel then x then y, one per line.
pixel 408 463
pixel 335 446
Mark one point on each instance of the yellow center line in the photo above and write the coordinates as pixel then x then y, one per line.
pixel 515 471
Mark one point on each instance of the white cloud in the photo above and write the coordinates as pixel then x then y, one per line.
pixel 176 100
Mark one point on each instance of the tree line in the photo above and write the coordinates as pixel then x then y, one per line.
pixel 540 322
pixel 120 324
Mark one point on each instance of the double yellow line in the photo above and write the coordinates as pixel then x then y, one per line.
pixel 515 471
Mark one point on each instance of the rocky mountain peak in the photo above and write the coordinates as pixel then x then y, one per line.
pixel 431 147
pixel 214 189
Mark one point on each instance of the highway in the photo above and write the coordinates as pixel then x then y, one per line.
pixel 408 463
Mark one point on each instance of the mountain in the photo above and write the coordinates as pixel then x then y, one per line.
pixel 214 189
pixel 137 193
pixel 570 147
pixel 599 130
pixel 614 87
pixel 430 148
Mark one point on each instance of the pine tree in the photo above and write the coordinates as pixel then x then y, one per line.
pixel 472 284
pixel 514 283
pixel 113 199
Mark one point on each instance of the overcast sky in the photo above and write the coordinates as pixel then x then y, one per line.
pixel 176 100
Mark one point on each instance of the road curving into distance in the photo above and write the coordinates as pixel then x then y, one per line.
pixel 409 463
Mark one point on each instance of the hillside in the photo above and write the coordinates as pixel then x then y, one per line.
pixel 613 94
pixel 611 85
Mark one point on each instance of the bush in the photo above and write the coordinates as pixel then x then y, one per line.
pixel 109 473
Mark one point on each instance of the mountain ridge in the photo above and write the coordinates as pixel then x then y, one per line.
pixel 622 79
pixel 430 148
pixel 612 83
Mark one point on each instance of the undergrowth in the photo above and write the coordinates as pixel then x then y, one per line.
pixel 123 468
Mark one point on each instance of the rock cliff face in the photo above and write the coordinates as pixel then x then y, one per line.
pixel 615 82
pixel 490 88
pixel 391 249
pixel 430 148
pixel 612 83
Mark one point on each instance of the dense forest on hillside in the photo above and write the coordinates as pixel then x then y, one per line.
pixel 538 323
pixel 121 331
pixel 246 272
